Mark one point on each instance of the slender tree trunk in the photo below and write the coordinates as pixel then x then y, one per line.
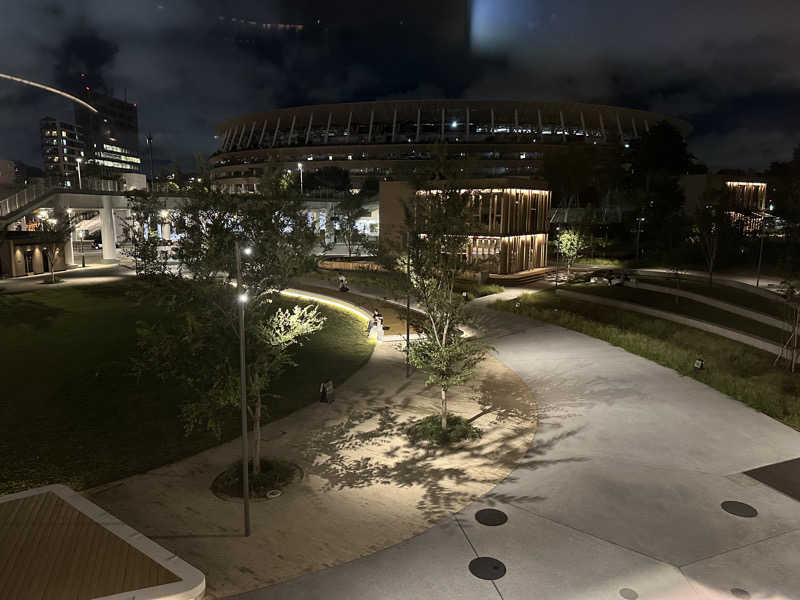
pixel 257 440
pixel 444 409
pixel 796 328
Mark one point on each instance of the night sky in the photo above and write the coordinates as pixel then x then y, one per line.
pixel 731 67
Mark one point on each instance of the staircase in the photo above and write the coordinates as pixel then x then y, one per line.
pixel 24 202
pixel 522 278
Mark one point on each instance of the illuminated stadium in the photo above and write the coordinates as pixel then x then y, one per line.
pixel 393 139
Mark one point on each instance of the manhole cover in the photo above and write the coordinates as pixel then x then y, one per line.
pixel 628 594
pixel 740 509
pixel 740 593
pixel 491 517
pixel 486 567
pixel 273 493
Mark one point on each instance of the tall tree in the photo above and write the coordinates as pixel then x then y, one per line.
pixel 53 234
pixel 200 346
pixel 439 224
pixel 346 216
pixel 141 228
pixel 570 244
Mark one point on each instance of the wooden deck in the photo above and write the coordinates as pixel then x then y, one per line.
pixel 49 550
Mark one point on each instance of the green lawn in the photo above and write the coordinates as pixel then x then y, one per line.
pixel 740 371
pixel 71 412
pixel 685 307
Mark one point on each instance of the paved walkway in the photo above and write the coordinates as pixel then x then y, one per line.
pixel 89 275
pixel 364 487
pixel 619 496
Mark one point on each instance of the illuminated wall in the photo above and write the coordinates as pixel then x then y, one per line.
pixel 748 195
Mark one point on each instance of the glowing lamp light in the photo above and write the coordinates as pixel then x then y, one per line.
pixel 164 214
pixel 299 165
pixel 454 124
pixel 243 297
pixel 247 251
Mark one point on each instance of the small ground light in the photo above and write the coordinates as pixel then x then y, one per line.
pixel 243 298
pixel 247 251
pixel 699 364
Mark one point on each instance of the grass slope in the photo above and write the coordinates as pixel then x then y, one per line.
pixel 70 411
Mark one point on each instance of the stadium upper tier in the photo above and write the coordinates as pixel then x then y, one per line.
pixel 383 137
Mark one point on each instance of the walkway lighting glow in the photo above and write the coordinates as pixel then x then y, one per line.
pixel 243 297
pixel 248 251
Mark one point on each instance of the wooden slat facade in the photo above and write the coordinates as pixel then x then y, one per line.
pixel 49 550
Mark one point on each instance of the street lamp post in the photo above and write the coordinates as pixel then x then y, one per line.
pixel 300 166
pixel 83 248
pixel 408 304
pixel 243 385
pixel 558 254
pixel 78 161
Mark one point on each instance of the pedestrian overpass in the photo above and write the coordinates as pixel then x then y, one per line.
pixel 108 197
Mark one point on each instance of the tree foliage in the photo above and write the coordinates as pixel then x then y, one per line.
pixel 439 223
pixel 570 243
pixel 199 344
pixel 54 232
pixel 141 228
pixel 345 217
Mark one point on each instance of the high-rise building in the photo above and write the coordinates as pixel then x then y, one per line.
pixel 62 145
pixel 112 133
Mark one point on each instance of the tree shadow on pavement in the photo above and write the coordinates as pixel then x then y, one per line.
pixel 369 447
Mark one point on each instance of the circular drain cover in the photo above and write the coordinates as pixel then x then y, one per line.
pixel 628 594
pixel 491 517
pixel 740 593
pixel 486 567
pixel 740 509
pixel 273 493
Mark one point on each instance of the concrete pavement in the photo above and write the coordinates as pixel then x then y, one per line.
pixel 89 275
pixel 618 497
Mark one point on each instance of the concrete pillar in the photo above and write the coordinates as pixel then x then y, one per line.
pixel 441 136
pixel 516 121
pixel 107 232
pixel 419 115
pixel 349 122
pixel 250 137
pixel 291 129
pixel 394 124
pixel 371 119
pixel 491 121
pixel 619 129
pixel 166 230
pixel 263 131
pixel 646 126
pixel 633 122
pixel 583 126
pixel 241 136
pixel 275 135
pixel 563 127
pixel 539 117
pixel 466 126
pixel 328 127
pixel 308 130
pixel 233 139
pixel 602 126
pixel 69 252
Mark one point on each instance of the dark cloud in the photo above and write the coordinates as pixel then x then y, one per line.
pixel 729 67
